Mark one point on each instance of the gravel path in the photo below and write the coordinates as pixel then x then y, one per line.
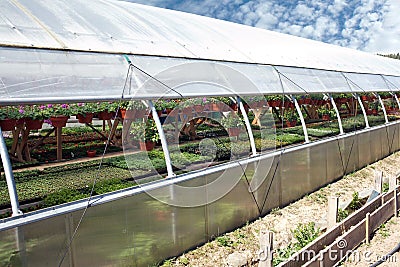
pixel 243 243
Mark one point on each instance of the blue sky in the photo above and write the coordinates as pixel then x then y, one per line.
pixel 368 25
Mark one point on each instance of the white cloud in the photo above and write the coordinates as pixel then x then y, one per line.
pixel 370 25
pixel 386 34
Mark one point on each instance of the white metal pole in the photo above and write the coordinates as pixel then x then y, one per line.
pixel 12 190
pixel 303 123
pixel 337 114
pixel 397 99
pixel 383 107
pixel 248 126
pixel 163 140
pixel 363 110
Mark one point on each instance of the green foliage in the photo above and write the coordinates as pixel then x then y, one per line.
pixel 84 108
pixel 224 241
pixel 51 110
pixel 383 231
pixel 35 112
pixel 394 56
pixel 11 112
pixel 304 234
pixel 183 260
pixel 385 187
pixel 231 121
pixel 291 115
pixel 145 131
pixel 274 97
pixel 342 214
pixel 162 104
pixel 67 195
pixel 324 110
pixel 355 203
pixel 63 196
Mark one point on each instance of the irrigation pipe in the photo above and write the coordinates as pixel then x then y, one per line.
pixel 386 257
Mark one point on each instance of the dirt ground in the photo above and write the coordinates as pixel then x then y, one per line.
pixel 241 246
pixel 384 240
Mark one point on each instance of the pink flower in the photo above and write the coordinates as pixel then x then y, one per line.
pixel 64 106
pixel 204 100
pixel 80 104
pixel 49 105
pixel 42 107
pixel 21 111
pixel 48 121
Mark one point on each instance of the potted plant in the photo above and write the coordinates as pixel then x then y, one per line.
pixel 58 114
pixel 106 110
pixel 224 103
pixel 317 99
pixel 274 100
pixel 326 113
pixel 186 106
pixel 84 111
pixel 256 102
pixel 385 95
pixel 169 105
pixel 132 109
pixel 392 106
pixel 91 152
pixel 145 133
pixel 34 117
pixel 198 104
pixel 373 108
pixel 10 116
pixel 232 122
pixel 364 97
pixel 290 117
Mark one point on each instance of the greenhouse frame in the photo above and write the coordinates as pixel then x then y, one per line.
pixel 70 51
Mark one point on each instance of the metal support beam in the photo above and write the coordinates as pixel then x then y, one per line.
pixel 248 126
pixel 383 107
pixel 397 99
pixel 363 110
pixel 337 113
pixel 303 123
pixel 12 190
pixel 163 140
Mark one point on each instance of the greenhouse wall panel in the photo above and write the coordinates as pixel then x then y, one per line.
pixel 334 162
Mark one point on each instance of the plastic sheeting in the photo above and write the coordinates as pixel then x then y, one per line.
pixel 69 51
pixel 37 75
pixel 117 26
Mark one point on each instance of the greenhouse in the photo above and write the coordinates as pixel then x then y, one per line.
pixel 130 134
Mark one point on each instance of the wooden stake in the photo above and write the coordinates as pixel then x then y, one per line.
pixel 367 228
pixel 266 249
pixel 395 202
pixel 59 142
pixel 392 183
pixel 378 181
pixel 333 205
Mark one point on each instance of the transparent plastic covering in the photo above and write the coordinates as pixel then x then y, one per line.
pixel 202 78
pixel 312 81
pixel 66 50
pixel 393 82
pixel 368 82
pixel 37 75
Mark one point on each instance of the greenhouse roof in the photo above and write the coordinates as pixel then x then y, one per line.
pixel 72 50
